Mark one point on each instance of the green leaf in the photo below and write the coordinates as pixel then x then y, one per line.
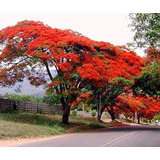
pixel 75 75
pixel 98 54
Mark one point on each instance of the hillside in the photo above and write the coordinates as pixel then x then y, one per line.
pixel 25 88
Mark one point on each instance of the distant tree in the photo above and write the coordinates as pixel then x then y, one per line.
pixel 51 98
pixel 152 107
pixel 146 28
pixel 22 97
pixel 145 106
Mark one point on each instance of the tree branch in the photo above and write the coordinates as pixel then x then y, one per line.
pixel 48 71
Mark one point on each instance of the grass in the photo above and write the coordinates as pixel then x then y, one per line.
pixel 27 125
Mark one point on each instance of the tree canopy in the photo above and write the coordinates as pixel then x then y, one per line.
pixel 146 28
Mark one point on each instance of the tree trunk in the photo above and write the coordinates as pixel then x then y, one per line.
pixel 100 111
pixel 111 114
pixel 133 118
pixel 138 119
pixel 66 113
pixel 150 121
pixel 99 108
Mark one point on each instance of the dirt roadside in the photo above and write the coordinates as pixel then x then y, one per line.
pixel 19 141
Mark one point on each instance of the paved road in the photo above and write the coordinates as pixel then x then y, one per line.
pixel 132 136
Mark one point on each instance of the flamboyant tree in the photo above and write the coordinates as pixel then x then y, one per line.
pixel 152 107
pixel 128 104
pixel 145 106
pixel 29 48
pixel 118 73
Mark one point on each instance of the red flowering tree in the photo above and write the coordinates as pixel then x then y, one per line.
pixel 152 107
pixel 128 104
pixel 29 48
pixel 145 106
pixel 146 88
pixel 109 74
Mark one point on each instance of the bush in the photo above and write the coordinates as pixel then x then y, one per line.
pixel 80 108
pixel 144 120
pixel 93 113
pixel 74 113
pixel 87 109
pixel 39 110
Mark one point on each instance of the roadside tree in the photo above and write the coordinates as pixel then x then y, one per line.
pixel 146 28
pixel 117 76
pixel 29 48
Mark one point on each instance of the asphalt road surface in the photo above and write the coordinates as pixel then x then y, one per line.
pixel 132 136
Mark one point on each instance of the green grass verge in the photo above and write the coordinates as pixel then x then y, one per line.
pixel 26 125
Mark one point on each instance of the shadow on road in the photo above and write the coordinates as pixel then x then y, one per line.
pixel 133 128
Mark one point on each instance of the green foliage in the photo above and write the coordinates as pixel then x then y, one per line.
pixel 74 113
pixel 98 54
pixel 148 83
pixel 93 113
pixel 75 75
pixel 146 27
pixel 39 110
pixel 87 109
pixel 157 116
pixel 155 65
pixel 80 107
pixel 51 98
pixel 122 81
pixel 22 97
pixel 118 86
pixel 93 106
pixel 144 120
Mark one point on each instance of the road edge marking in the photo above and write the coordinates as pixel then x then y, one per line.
pixel 117 140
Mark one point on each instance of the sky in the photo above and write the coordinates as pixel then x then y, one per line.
pixel 108 27
pixel 99 20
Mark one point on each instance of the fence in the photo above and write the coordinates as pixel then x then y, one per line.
pixel 32 107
